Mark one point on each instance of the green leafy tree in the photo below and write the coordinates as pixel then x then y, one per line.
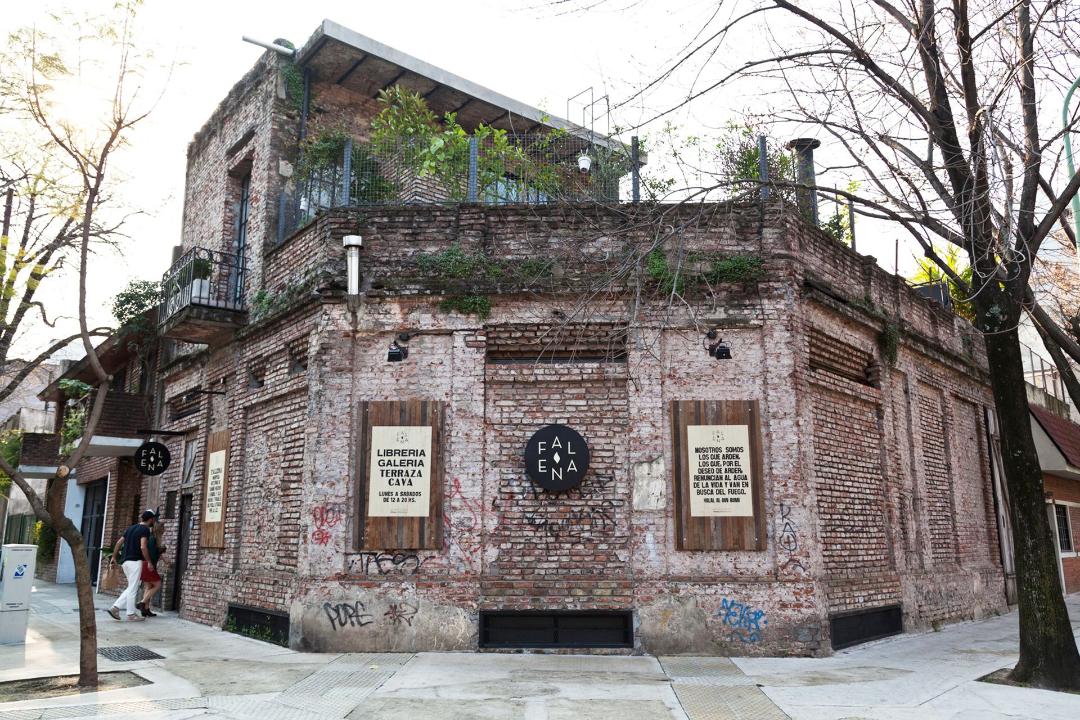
pixel 930 272
pixel 56 173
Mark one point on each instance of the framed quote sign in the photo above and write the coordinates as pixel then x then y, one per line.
pixel 717 475
pixel 215 490
pixel 399 465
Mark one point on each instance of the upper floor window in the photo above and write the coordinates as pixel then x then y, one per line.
pixel 1064 529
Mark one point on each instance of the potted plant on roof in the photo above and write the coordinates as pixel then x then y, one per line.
pixel 201 269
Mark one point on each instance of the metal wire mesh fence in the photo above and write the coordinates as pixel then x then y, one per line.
pixel 493 169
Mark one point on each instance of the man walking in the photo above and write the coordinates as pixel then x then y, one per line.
pixel 136 551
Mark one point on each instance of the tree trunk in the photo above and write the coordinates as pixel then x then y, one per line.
pixel 84 589
pixel 88 670
pixel 1048 654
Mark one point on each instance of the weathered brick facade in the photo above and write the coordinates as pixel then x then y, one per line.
pixel 876 486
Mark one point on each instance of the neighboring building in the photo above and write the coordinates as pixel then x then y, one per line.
pixel 1058 441
pixel 103 494
pixel 348 468
pixel 32 414
pixel 23 412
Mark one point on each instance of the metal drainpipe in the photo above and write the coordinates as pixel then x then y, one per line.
pixel 306 104
pixel 763 166
pixel 805 176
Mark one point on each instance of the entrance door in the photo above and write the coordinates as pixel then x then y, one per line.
pixel 93 523
pixel 183 535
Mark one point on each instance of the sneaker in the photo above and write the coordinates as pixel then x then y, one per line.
pixel 135 618
pixel 114 612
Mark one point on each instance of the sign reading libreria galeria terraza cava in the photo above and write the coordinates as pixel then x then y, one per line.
pixel 399 475
pixel 719 463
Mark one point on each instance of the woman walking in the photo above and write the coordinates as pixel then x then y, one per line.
pixel 151 578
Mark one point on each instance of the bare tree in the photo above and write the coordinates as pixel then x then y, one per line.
pixel 937 107
pixel 56 173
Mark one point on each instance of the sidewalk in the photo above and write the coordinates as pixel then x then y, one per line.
pixel 208 673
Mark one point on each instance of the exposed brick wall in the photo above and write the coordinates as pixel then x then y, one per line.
pixel 938 504
pixel 851 502
pixel 562 549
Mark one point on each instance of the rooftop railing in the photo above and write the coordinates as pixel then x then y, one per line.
pixel 494 169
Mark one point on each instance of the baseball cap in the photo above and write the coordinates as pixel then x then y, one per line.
pixel 147 514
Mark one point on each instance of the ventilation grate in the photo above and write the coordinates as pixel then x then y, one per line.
pixel 866 625
pixel 128 653
pixel 584 629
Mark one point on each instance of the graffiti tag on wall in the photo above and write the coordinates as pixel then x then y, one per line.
pixel 788 540
pixel 355 614
pixel 744 622
pixel 323 517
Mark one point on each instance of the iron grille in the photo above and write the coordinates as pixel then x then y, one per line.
pixel 564 629
pixel 128 653
pixel 866 625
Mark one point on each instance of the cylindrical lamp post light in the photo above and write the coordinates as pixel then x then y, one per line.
pixel 352 244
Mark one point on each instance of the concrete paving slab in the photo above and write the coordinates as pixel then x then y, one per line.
pixel 205 672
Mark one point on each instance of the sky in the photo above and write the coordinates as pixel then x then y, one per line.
pixel 535 52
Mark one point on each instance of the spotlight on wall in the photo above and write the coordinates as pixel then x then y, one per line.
pixel 716 347
pixel 396 353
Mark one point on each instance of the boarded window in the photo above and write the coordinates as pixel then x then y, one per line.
pixel 215 497
pixel 399 466
pixel 717 475
pixel 839 358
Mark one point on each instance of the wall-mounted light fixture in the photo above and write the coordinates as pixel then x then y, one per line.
pixel 399 348
pixel 715 346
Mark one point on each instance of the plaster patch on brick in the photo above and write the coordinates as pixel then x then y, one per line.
pixel 650 485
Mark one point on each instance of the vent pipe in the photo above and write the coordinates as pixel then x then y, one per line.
pixel 352 244
pixel 279 49
pixel 806 195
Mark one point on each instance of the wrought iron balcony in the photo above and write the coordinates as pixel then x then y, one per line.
pixel 202 296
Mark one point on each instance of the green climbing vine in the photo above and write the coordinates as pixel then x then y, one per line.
pixel 478 305
pixel 889 342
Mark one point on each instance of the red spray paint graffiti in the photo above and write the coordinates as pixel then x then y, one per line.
pixel 324 517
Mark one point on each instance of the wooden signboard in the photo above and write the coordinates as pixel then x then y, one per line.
pixel 215 494
pixel 717 475
pixel 399 466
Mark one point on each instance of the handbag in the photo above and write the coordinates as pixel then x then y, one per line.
pixel 111 579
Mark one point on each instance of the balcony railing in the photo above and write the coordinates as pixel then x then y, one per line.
pixel 205 278
pixel 511 169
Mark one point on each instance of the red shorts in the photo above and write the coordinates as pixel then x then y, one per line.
pixel 149 573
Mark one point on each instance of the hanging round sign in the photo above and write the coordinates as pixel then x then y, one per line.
pixel 152 458
pixel 556 458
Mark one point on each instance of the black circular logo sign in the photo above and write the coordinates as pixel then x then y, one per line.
pixel 152 458
pixel 556 458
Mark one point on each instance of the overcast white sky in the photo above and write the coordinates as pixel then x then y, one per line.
pixel 535 55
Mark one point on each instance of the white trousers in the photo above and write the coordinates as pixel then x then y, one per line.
pixel 132 571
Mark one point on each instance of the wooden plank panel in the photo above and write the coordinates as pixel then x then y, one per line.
pixel 716 533
pixel 399 533
pixel 213 533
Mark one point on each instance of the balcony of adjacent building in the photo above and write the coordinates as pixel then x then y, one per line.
pixel 120 429
pixel 202 296
pixel 127 357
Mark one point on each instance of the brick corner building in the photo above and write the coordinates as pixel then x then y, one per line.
pixel 791 457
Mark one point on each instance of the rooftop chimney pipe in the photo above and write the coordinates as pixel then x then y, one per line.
pixel 804 175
